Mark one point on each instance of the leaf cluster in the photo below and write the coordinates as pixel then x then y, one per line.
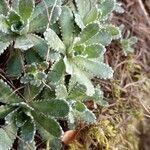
pixel 56 49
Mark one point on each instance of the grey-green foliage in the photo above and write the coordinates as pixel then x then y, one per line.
pixel 25 115
pixel 127 44
pixel 55 48
pixel 128 41
pixel 19 23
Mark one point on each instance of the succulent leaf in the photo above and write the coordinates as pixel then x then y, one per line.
pixel 40 45
pixel 31 92
pixel 127 44
pixel 102 37
pixel 79 106
pixel 94 51
pixel 83 79
pixel 88 117
pixel 6 94
pixel 14 5
pixel 91 16
pixel 83 7
pixel 54 41
pixel 97 69
pixel 88 32
pixel 113 31
pixel 79 21
pixel 67 26
pixel 55 108
pixel 23 42
pixel 5 110
pixel 20 118
pixel 3 46
pixel 39 19
pixel 31 56
pixel 4 27
pixel 75 89
pixel 26 8
pixel 4 7
pixel 13 17
pixel 24 146
pixel 61 92
pixel 57 71
pixel 98 97
pixel 14 61
pixel 49 124
pixel 28 131
pixel 106 7
pixel 7 137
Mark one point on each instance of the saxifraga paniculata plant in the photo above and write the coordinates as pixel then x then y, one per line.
pixel 56 47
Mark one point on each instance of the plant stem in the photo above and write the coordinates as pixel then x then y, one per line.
pixel 47 145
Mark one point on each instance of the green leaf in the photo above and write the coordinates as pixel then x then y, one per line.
pixel 4 27
pixel 83 7
pixel 7 137
pixel 106 8
pixel 97 69
pixel 26 8
pixel 79 50
pixel 4 7
pixel 5 37
pixel 13 17
pixel 39 19
pixel 49 124
pixel 79 75
pixel 113 31
pixel 3 46
pixel 20 118
pixel 76 91
pixel 61 91
pixel 57 71
pixel 68 65
pixel 17 25
pixel 94 51
pixel 102 37
pixel 23 42
pixel 56 108
pixel 91 16
pixel 31 92
pixel 88 32
pixel 31 56
pixel 67 25
pixel 50 3
pixel 88 117
pixel 79 21
pixel 14 61
pixel 5 110
pixel 79 106
pixel 25 146
pixel 14 5
pixel 20 27
pixel 7 95
pixel 133 40
pixel 40 45
pixel 46 136
pixel 54 41
pixel 28 131
pixel 127 44
pixel 118 8
pixel 82 78
pixel 98 98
